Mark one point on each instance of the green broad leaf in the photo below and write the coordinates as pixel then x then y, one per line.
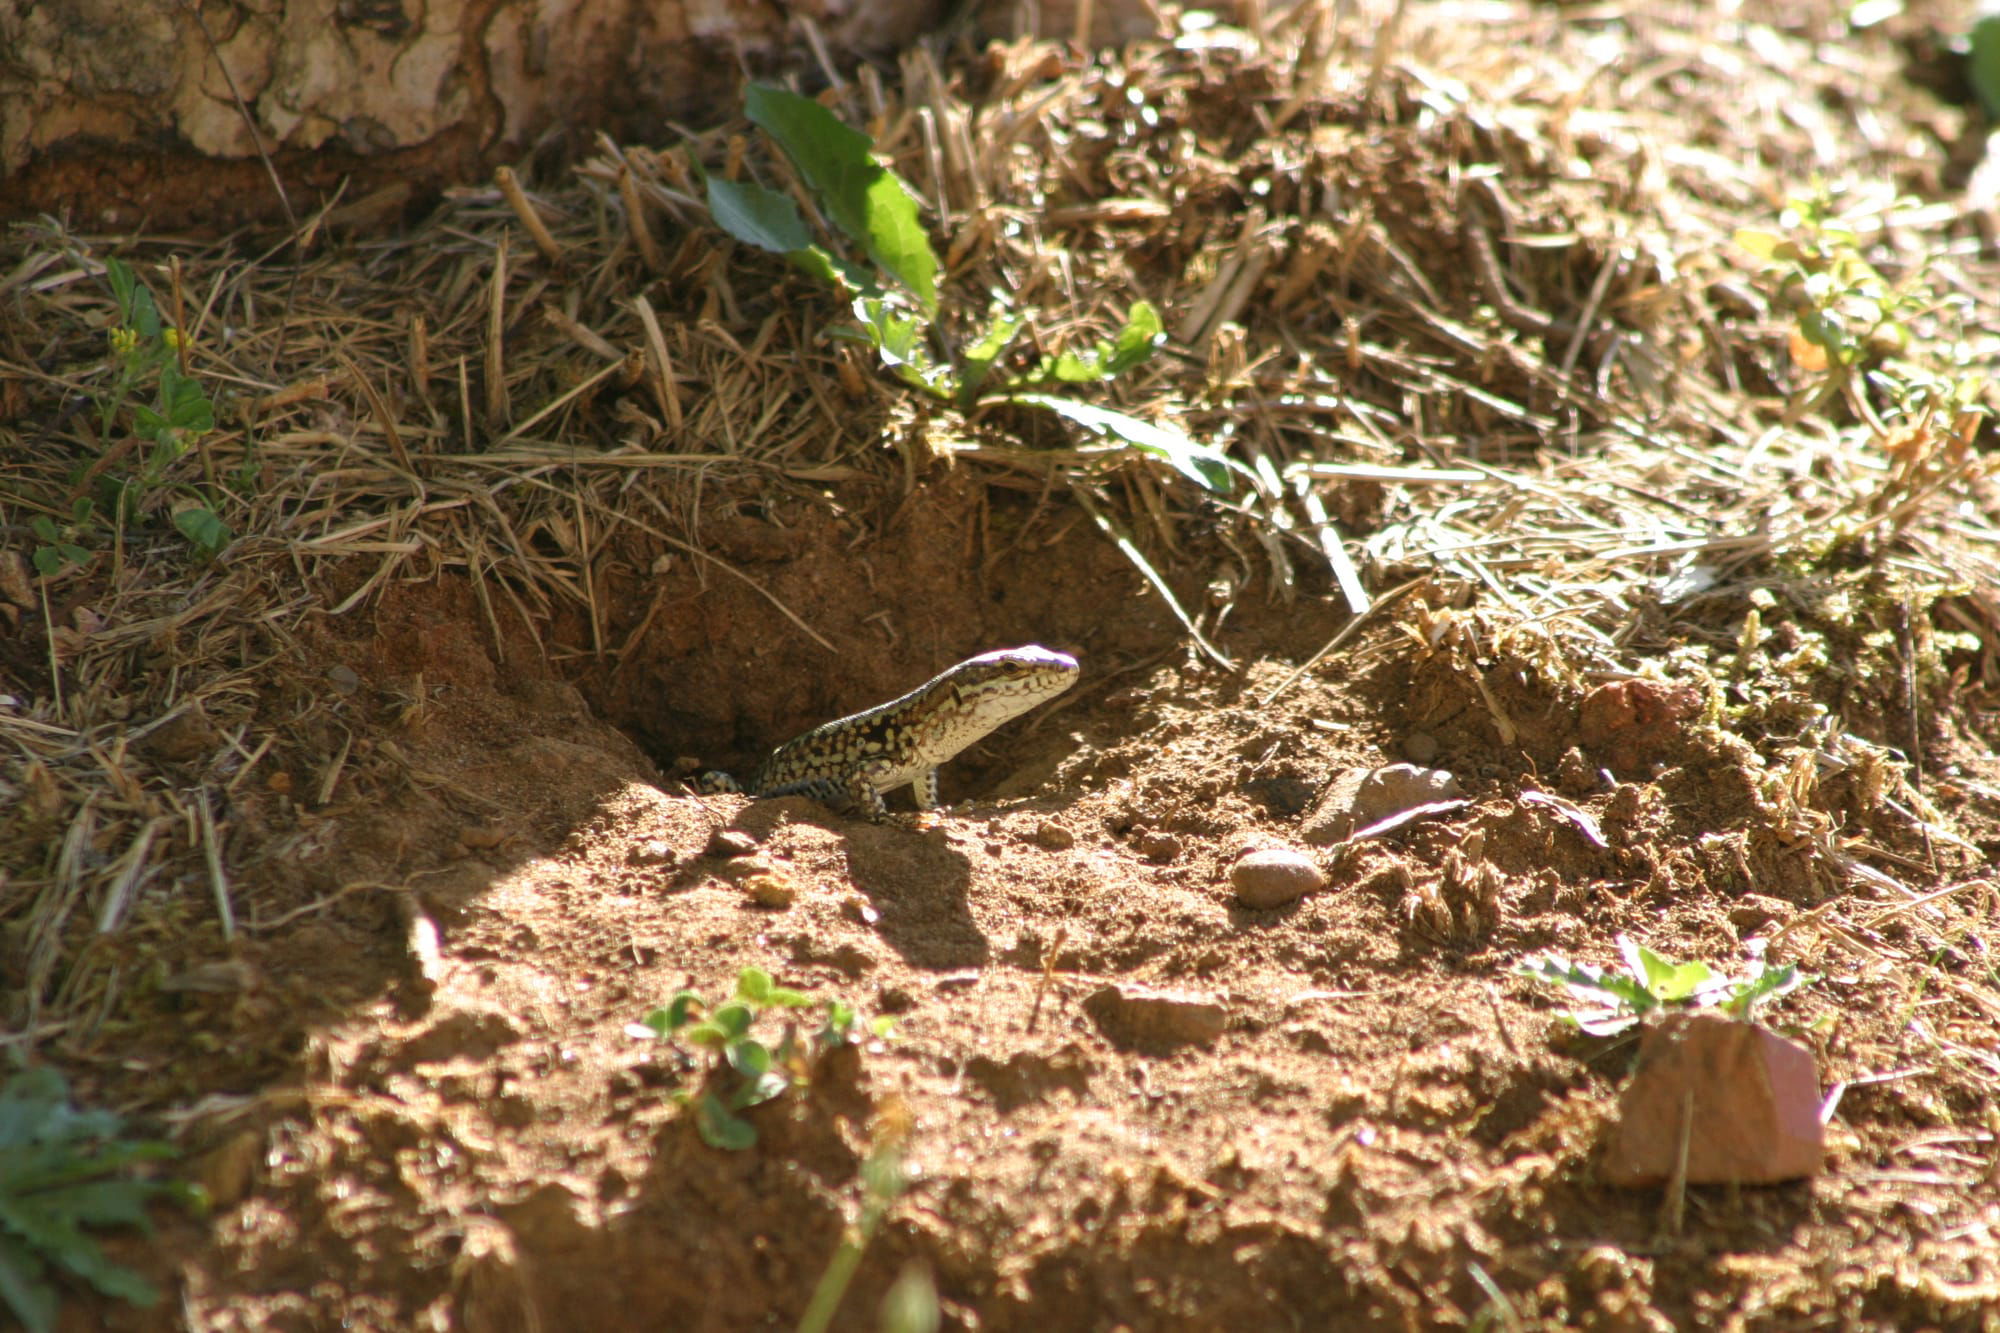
pixel 49 562
pixel 653 1027
pixel 728 1023
pixel 899 340
pixel 977 360
pixel 832 271
pixel 80 509
pixel 22 1290
pixel 150 423
pixel 110 1279
pixel 1765 983
pixel 1666 982
pixel 1824 328
pixel 119 274
pixel 44 527
pixel 34 1107
pixel 1983 66
pixel 187 407
pixel 840 1020
pixel 145 316
pixel 681 1010
pixel 1207 467
pixel 883 1025
pixel 757 216
pixel 770 221
pixel 733 1018
pixel 1135 343
pixel 720 1127
pixel 1624 1000
pixel 753 985
pixel 1067 368
pixel 27 1218
pixel 756 986
pixel 748 1058
pixel 866 200
pixel 202 527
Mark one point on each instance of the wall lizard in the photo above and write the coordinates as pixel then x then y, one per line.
pixel 854 760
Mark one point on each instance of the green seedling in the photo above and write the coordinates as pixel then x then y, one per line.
pixel 165 413
pixel 912 1303
pixel 57 546
pixel 1607 1003
pixel 748 1071
pixel 63 1170
pixel 1851 322
pixel 893 294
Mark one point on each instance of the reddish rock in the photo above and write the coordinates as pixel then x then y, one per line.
pixel 1754 1098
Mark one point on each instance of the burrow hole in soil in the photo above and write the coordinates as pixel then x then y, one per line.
pixel 714 675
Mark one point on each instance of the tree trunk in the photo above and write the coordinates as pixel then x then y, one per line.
pixel 123 115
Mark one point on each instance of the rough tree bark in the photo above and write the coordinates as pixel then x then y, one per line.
pixel 118 114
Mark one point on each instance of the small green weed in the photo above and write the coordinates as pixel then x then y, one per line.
pixel 1983 60
pixel 1608 1004
pixel 1851 321
pixel 755 1072
pixel 62 1170
pixel 168 412
pixel 57 546
pixel 911 1304
pixel 894 294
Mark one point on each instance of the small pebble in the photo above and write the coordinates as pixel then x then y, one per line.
pixel 741 868
pixel 1399 787
pixel 1420 747
pixel 1274 876
pixel 1054 836
pixel 1144 1017
pixel 769 889
pixel 1158 848
pixel 652 852
pixel 731 842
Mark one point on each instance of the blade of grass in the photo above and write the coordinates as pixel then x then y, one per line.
pixel 1130 548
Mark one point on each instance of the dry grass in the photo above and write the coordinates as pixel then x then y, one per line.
pixel 1467 306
